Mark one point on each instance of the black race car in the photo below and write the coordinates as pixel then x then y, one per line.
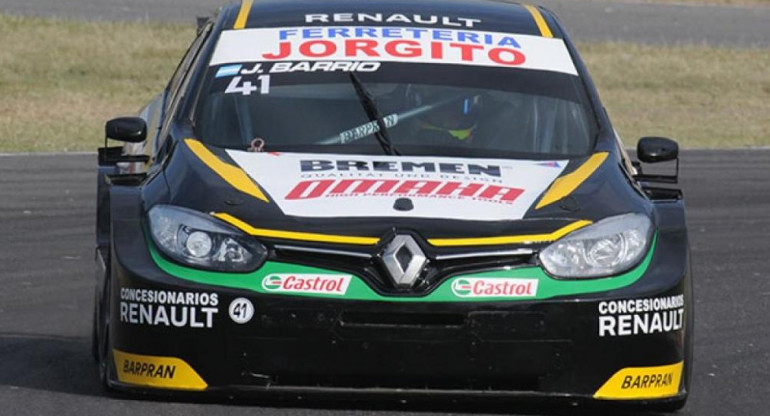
pixel 380 198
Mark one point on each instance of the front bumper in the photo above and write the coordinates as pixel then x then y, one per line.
pixel 171 334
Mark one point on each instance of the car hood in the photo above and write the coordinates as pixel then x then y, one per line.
pixel 337 186
pixel 375 196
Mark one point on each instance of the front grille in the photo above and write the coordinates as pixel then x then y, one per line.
pixel 401 320
pixel 508 383
pixel 400 346
pixel 425 364
pixel 376 275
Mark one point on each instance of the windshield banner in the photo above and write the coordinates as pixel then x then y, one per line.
pixel 393 44
pixel 329 185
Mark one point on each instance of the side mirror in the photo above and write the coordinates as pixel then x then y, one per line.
pixel 126 129
pixel 656 149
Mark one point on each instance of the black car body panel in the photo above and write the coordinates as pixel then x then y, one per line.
pixel 323 311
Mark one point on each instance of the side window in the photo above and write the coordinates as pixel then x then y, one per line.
pixel 624 154
pixel 184 65
pixel 176 86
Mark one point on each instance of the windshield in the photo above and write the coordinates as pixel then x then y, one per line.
pixel 449 93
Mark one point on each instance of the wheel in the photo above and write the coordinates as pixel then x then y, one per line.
pixel 104 357
pixel 94 335
pixel 101 334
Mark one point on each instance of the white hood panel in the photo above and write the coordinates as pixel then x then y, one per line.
pixel 332 185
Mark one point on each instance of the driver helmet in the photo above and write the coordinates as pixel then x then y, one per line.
pixel 456 119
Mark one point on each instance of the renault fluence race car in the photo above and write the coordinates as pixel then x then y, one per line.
pixel 373 198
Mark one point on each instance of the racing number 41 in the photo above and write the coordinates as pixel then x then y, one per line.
pixel 247 87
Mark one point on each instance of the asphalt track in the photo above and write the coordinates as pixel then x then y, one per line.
pixel 589 20
pixel 46 278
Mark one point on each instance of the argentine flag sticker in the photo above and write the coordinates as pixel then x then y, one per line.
pixel 228 71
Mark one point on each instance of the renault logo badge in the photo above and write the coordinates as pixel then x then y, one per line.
pixel 404 260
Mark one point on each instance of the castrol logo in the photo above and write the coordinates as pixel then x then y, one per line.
pixel 327 284
pixel 478 287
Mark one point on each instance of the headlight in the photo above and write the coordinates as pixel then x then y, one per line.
pixel 196 239
pixel 609 247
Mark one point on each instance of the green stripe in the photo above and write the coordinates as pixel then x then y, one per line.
pixel 548 287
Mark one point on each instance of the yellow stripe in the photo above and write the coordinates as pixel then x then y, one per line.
pixel 545 31
pixel 236 177
pixel 565 185
pixel 293 235
pixel 243 15
pixel 512 239
pixel 160 372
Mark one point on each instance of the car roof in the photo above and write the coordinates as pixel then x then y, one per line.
pixel 485 15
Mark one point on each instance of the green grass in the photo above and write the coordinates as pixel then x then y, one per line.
pixel 698 95
pixel 61 80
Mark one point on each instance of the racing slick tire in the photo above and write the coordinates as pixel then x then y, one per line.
pixel 101 339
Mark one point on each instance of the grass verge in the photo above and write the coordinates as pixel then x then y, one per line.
pixel 60 80
pixel 698 95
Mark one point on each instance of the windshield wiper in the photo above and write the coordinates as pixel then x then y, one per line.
pixel 370 107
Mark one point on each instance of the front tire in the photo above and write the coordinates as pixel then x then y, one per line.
pixel 94 333
pixel 101 346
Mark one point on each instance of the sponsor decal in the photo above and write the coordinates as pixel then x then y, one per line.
pixel 316 165
pixel 393 44
pixel 328 188
pixel 366 186
pixel 642 383
pixel 641 316
pixel 326 284
pixel 391 18
pixel 168 308
pixel 164 372
pixel 241 310
pixel 478 287
pixel 366 129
